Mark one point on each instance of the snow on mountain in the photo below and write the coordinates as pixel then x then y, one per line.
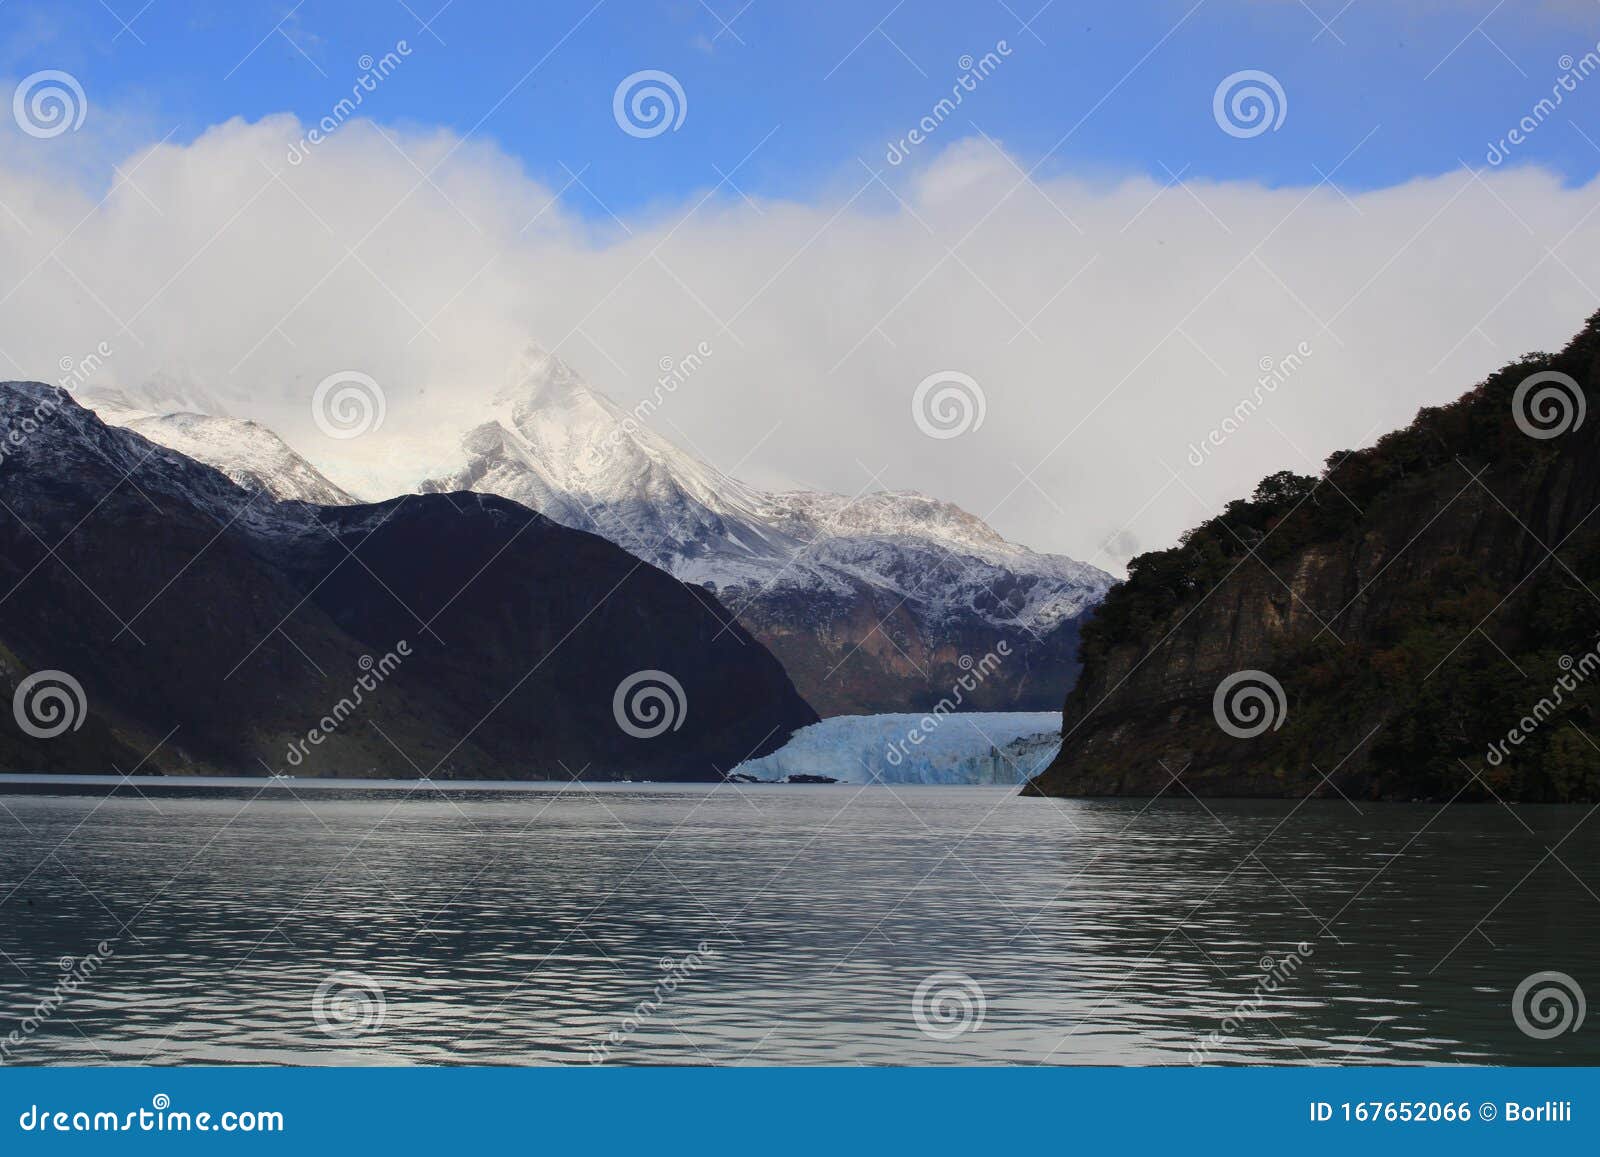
pixel 873 603
pixel 555 443
pixel 876 602
pixel 248 453
pixel 979 747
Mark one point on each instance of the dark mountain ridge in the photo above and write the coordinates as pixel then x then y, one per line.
pixel 211 629
pixel 1430 608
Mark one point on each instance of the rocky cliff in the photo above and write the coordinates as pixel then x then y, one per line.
pixel 1419 622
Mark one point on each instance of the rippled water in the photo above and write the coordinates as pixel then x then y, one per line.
pixel 528 926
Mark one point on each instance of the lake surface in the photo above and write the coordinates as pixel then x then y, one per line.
pixel 781 925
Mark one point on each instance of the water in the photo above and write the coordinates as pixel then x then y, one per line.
pixel 528 926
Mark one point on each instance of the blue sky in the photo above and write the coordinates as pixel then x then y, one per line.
pixel 1128 85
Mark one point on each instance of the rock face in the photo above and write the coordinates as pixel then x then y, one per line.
pixel 211 628
pixel 872 603
pixel 1428 609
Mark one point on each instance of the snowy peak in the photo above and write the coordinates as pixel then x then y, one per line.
pixel 582 442
pixel 563 447
pixel 539 377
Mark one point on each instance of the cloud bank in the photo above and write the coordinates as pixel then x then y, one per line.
pixel 1114 329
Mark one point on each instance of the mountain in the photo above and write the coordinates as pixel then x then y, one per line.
pixel 1420 622
pixel 155 614
pixel 247 452
pixel 875 603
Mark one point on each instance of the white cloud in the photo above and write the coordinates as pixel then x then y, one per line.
pixel 1111 326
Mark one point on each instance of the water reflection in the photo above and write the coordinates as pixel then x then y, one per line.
pixel 533 926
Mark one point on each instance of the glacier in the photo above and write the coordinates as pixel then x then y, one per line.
pixel 978 747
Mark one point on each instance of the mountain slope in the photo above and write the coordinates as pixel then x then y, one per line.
pixel 872 603
pixel 1428 608
pixel 213 629
pixel 247 452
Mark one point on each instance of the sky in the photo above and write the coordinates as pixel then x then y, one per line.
pixel 1096 251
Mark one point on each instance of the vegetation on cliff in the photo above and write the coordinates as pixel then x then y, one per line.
pixel 1419 602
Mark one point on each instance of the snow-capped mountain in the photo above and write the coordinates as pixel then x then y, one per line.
pixel 876 602
pixel 199 626
pixel 247 452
